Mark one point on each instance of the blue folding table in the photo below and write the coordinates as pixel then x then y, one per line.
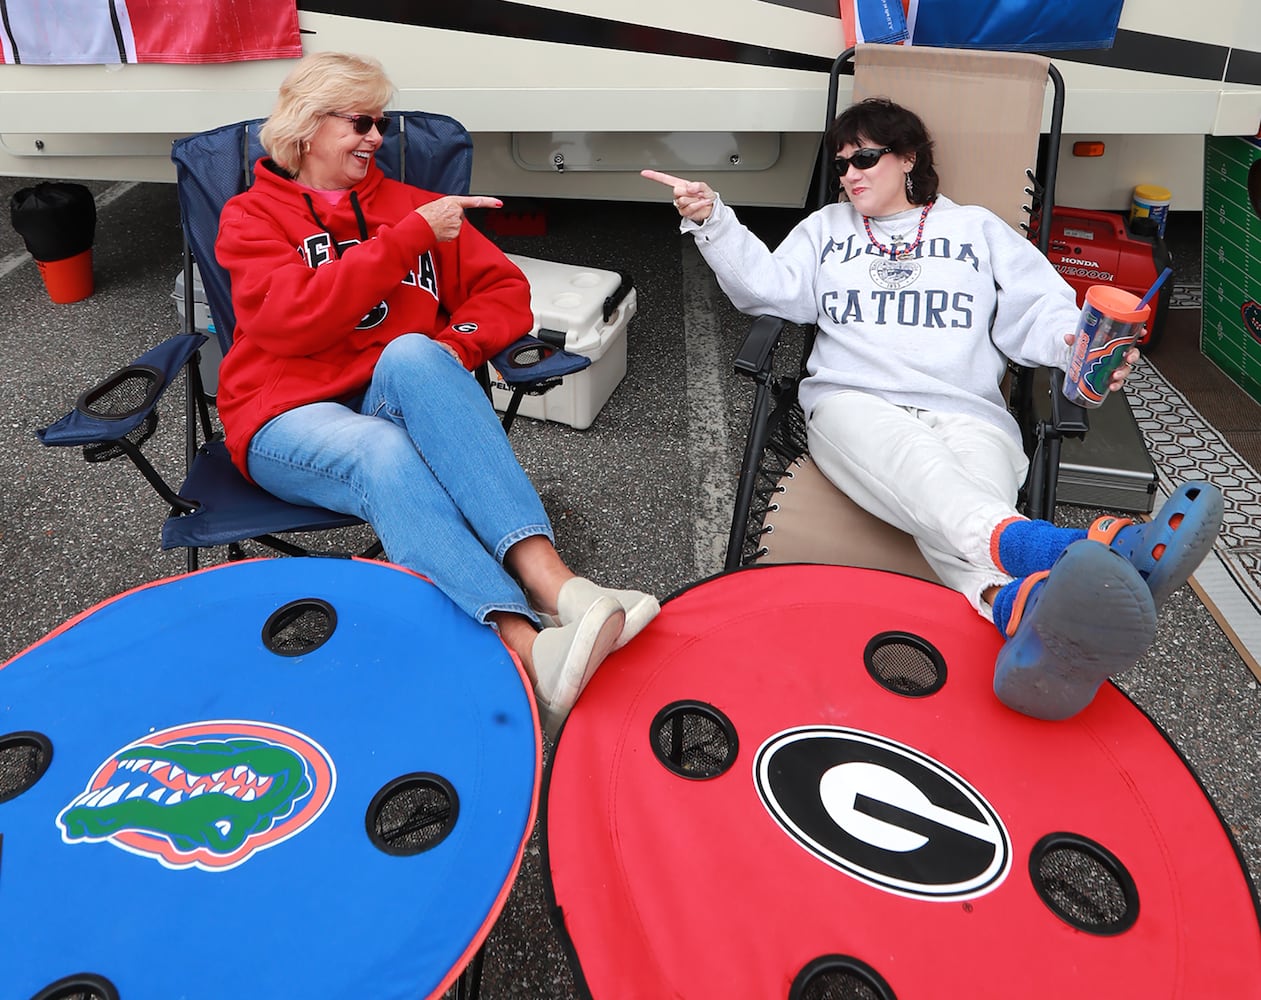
pixel 280 778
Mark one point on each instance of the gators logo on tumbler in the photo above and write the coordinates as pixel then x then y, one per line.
pixel 1098 365
pixel 206 795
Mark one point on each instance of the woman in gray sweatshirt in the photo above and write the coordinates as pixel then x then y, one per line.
pixel 919 304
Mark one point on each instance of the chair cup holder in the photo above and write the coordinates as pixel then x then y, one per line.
pixel 529 355
pixel 127 393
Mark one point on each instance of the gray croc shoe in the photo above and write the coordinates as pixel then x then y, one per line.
pixel 1170 547
pixel 1092 618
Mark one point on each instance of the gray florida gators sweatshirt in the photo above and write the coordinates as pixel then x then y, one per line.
pixel 932 330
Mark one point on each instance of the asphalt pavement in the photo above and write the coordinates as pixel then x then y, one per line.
pixel 639 499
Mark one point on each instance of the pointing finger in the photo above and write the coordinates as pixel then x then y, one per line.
pixel 479 201
pixel 669 180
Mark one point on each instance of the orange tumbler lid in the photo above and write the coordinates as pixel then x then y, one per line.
pixel 1117 303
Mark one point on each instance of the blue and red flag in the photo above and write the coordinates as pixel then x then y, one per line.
pixel 1014 25
pixel 61 32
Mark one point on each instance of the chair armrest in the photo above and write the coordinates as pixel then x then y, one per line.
pixel 530 360
pixel 755 354
pixel 116 406
pixel 1067 418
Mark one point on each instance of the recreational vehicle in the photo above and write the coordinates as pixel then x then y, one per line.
pixel 569 99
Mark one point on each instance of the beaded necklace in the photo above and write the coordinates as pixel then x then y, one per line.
pixel 908 248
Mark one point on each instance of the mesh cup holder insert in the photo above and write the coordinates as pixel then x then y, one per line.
pixel 1084 884
pixel 529 355
pixel 905 664
pixel 105 451
pixel 412 814
pixel 128 391
pixel 839 977
pixel 299 627
pixel 694 740
pixel 80 986
pixel 24 757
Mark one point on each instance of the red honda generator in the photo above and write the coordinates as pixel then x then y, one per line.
pixel 1104 248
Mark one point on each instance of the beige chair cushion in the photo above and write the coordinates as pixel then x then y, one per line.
pixel 812 521
pixel 984 111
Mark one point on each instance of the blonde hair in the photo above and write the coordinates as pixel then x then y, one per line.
pixel 318 84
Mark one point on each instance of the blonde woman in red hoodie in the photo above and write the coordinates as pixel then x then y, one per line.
pixel 361 303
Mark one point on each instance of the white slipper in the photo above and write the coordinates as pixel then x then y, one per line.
pixel 579 593
pixel 566 658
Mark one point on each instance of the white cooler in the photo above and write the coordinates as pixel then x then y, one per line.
pixel 570 300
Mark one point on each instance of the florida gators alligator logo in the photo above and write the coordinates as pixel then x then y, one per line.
pixel 206 795
pixel 1251 313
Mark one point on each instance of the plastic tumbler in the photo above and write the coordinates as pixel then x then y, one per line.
pixel 1111 321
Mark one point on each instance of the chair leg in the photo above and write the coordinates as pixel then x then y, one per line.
pixel 469 985
pixel 510 412
pixel 748 474
pixel 1052 481
pixel 1044 475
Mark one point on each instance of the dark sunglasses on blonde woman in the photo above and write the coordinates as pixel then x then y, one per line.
pixel 363 123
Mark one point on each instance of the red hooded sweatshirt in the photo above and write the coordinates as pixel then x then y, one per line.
pixel 319 289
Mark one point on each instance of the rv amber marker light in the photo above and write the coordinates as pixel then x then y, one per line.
pixel 1088 149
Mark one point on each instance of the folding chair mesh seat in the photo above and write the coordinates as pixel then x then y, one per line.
pixel 984 111
pixel 216 505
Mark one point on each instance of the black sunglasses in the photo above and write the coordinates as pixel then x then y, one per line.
pixel 363 123
pixel 863 159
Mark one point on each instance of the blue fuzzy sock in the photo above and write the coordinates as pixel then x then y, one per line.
pixel 1026 547
pixel 1005 600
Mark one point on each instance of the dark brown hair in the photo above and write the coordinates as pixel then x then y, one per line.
pixel 882 122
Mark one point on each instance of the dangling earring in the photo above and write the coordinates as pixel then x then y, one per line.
pixel 910 189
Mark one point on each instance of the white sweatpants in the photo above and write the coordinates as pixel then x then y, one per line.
pixel 946 479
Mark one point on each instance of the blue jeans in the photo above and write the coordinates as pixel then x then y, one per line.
pixel 424 460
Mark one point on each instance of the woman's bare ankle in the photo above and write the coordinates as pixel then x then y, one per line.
pixel 518 634
pixel 540 570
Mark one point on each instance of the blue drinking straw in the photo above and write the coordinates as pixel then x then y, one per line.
pixel 1155 288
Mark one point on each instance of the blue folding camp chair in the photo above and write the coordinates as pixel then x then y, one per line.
pixel 216 505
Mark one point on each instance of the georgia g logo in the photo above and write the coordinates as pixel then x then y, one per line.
pixel 374 317
pixel 207 795
pixel 883 813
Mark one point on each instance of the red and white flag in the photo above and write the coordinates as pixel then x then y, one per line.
pixel 61 32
